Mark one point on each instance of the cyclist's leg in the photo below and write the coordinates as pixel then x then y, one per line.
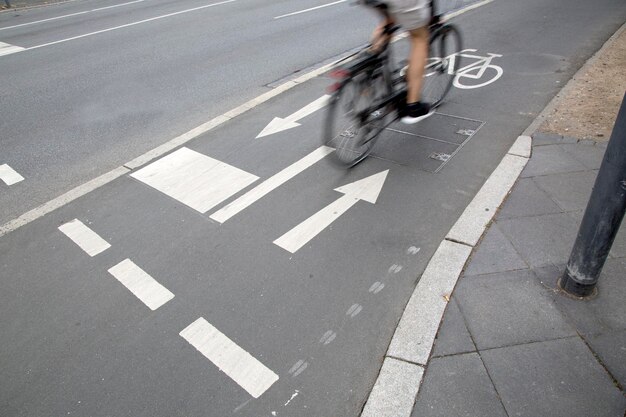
pixel 417 62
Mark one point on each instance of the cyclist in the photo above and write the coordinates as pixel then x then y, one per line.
pixel 414 16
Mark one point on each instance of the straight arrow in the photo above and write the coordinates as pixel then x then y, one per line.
pixel 366 189
pixel 278 124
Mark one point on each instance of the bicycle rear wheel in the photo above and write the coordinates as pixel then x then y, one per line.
pixel 442 65
pixel 354 119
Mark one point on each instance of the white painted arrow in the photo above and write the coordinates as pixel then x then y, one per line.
pixel 278 124
pixel 366 189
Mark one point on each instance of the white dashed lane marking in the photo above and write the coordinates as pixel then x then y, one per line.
pixel 8 174
pixel 84 237
pixel 146 288
pixel 239 365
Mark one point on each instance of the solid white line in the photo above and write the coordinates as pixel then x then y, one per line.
pixel 130 24
pixel 239 365
pixel 467 9
pixel 146 288
pixel 311 9
pixel 270 184
pixel 194 179
pixel 84 237
pixel 70 15
pixel 8 174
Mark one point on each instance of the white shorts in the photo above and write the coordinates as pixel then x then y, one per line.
pixel 410 14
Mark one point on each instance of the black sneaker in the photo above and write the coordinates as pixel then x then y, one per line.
pixel 415 112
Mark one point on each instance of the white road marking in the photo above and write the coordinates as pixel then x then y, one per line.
pixel 467 9
pixel 8 174
pixel 146 288
pixel 6 49
pixel 130 24
pixel 194 179
pixel 270 184
pixel 311 9
pixel 278 124
pixel 366 189
pixel 70 15
pixel 84 237
pixel 239 365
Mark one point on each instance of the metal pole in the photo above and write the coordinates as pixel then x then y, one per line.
pixel 602 218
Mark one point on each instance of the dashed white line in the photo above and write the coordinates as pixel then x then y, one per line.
pixel 8 174
pixel 130 24
pixel 142 285
pixel 239 365
pixel 70 15
pixel 311 9
pixel 84 237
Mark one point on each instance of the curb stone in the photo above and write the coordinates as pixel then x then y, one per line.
pixel 387 398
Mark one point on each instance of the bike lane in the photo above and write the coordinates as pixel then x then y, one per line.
pixel 318 316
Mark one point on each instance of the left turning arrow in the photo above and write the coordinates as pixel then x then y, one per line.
pixel 366 189
pixel 278 124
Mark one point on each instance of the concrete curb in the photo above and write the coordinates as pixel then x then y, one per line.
pixel 398 384
pixel 394 394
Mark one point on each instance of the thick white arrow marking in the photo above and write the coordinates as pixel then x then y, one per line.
pixel 366 189
pixel 278 124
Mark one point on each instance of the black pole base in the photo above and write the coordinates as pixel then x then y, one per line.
pixel 574 288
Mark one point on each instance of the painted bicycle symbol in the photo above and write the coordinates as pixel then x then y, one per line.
pixel 477 74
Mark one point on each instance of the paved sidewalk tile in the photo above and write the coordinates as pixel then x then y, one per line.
pixel 551 159
pixel 527 200
pixel 557 378
pixel 494 254
pixel 570 191
pixel 611 349
pixel 588 154
pixel 606 312
pixel 542 138
pixel 453 336
pixel 457 386
pixel 542 240
pixel 509 308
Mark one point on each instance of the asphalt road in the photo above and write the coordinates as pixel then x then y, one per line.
pixel 241 315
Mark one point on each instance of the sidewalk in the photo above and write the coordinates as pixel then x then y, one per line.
pixel 510 343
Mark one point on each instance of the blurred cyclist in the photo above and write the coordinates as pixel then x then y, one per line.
pixel 414 16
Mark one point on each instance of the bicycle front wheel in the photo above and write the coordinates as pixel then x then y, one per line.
pixel 353 119
pixel 442 65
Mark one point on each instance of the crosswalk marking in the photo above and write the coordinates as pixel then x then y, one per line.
pixel 84 237
pixel 239 365
pixel 146 288
pixel 8 174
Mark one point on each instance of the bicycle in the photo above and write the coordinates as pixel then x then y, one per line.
pixel 368 93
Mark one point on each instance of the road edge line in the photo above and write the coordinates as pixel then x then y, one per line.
pixel 381 401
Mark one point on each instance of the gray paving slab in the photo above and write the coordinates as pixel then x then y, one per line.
pixel 611 349
pixel 453 336
pixel 494 254
pixel 509 308
pixel 542 240
pixel 527 200
pixel 457 386
pixel 570 191
pixel 589 154
pixel 553 378
pixel 543 138
pixel 551 159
